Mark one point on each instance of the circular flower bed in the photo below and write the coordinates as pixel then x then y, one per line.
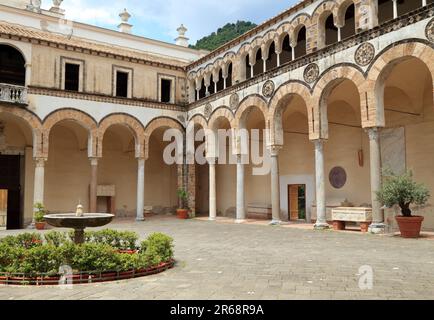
pixel 107 255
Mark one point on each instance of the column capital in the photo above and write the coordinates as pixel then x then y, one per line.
pixel 274 150
pixel 40 161
pixel 211 160
pixel 319 143
pixel 373 133
pixel 94 161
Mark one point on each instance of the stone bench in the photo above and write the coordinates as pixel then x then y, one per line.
pixel 342 215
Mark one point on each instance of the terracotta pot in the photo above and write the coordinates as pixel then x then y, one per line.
pixel 410 226
pixel 40 225
pixel 182 213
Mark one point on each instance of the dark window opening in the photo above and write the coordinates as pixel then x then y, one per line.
pixel 272 57
pixel 248 68
pixel 349 29
pixel 122 84
pixel 12 66
pixel 385 11
pixel 166 90
pixel 286 54
pixel 229 78
pixel 406 6
pixel 259 65
pixel 72 76
pixel 220 83
pixel 202 91
pixel 300 49
pixel 331 32
pixel 211 88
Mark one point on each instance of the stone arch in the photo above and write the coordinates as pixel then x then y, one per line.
pixel 245 107
pixel 26 53
pixel 198 119
pixel 78 116
pixel 325 85
pixel 218 113
pixel 379 70
pixel 276 109
pixel 340 10
pixel 318 22
pixel 300 21
pixel 34 124
pixel 158 123
pixel 134 125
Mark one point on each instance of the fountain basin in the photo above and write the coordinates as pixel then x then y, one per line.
pixel 70 220
pixel 78 223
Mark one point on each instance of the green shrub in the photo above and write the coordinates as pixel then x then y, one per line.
pixel 56 238
pixel 158 246
pixel 24 240
pixel 42 259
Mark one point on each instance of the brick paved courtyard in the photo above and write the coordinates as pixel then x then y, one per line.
pixel 218 260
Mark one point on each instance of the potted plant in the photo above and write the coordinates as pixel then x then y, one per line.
pixel 182 212
pixel 403 191
pixel 39 214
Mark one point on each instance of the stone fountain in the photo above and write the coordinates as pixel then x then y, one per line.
pixel 78 221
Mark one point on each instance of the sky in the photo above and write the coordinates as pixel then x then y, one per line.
pixel 159 19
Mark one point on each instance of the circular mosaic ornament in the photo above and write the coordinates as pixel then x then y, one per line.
pixel 268 89
pixel 429 31
pixel 207 111
pixel 311 73
pixel 234 100
pixel 364 54
pixel 338 177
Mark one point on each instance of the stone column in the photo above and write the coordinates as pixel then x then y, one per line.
pixel 264 65
pixel 215 87
pixel 395 9
pixel 241 204
pixel 275 185
pixel 224 82
pixel 207 90
pixel 38 189
pixel 321 220
pixel 140 189
pixel 212 190
pixel 339 33
pixel 197 94
pixel 28 79
pixel 423 3
pixel 292 52
pixel 377 225
pixel 252 71
pixel 93 185
pixel 278 58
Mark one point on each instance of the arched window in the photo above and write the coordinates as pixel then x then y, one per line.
pixel 229 78
pixel 349 28
pixel 202 91
pixel 259 65
pixel 220 83
pixel 331 32
pixel 300 49
pixel 385 11
pixel 12 66
pixel 286 54
pixel 211 85
pixel 272 57
pixel 248 71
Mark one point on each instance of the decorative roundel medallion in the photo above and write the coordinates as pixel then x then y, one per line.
pixel 364 54
pixel 429 31
pixel 311 73
pixel 268 89
pixel 234 100
pixel 207 111
pixel 338 177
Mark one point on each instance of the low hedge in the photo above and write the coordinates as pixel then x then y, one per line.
pixel 31 254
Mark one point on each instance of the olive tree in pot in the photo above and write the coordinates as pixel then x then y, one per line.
pixel 403 191
pixel 182 212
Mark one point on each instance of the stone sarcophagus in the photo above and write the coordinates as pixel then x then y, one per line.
pixel 341 215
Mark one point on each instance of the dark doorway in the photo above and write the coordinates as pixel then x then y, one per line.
pixel 296 202
pixel 12 69
pixel 122 84
pixel 72 77
pixel 166 87
pixel 10 167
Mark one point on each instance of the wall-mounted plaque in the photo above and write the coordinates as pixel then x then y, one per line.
pixel 338 177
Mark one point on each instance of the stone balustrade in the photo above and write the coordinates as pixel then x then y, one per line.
pixel 13 94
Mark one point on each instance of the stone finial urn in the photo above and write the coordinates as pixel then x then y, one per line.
pixel 125 16
pixel 79 211
pixel 57 3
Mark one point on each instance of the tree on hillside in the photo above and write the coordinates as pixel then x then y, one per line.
pixel 223 35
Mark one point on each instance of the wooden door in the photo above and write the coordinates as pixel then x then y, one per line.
pixel 3 209
pixel 293 201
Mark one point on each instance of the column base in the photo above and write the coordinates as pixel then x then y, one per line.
pixel 377 228
pixel 275 223
pixel 240 220
pixel 321 226
pixel 212 218
pixel 139 219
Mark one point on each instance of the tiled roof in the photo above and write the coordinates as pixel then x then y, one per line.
pixel 30 33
